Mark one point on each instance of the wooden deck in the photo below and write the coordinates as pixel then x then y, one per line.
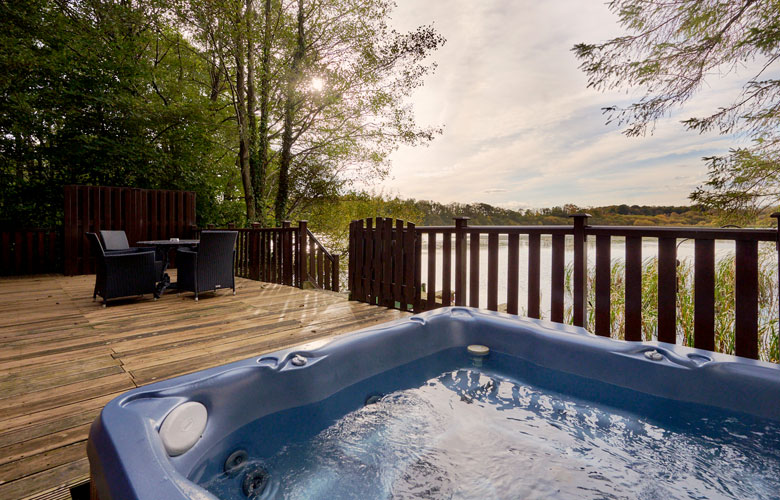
pixel 63 357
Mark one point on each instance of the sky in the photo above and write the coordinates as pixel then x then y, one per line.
pixel 521 130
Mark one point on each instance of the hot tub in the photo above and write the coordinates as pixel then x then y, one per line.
pixel 409 410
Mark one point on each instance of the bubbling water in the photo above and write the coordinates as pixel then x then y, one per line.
pixel 475 433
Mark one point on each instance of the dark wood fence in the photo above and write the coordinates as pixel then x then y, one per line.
pixel 30 251
pixel 384 264
pixel 144 214
pixel 286 255
pixel 385 269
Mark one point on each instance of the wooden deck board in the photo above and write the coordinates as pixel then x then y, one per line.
pixel 63 357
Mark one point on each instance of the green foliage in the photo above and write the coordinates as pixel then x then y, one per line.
pixel 482 214
pixel 742 185
pixel 102 93
pixel 670 50
pixel 331 218
pixel 331 102
pixel 331 214
pixel 165 94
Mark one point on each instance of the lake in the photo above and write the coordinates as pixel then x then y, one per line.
pixel 685 251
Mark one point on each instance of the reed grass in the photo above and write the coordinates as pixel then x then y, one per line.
pixel 769 349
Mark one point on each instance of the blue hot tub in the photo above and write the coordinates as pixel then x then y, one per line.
pixel 455 403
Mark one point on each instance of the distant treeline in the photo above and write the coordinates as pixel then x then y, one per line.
pixel 332 217
pixel 435 214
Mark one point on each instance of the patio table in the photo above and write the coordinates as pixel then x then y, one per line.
pixel 163 248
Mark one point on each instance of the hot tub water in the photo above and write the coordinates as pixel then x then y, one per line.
pixel 505 429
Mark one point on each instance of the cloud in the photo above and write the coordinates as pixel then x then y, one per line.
pixel 516 205
pixel 518 114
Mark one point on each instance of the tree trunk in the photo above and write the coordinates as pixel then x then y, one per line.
pixel 290 105
pixel 265 78
pixel 250 107
pixel 243 132
pixel 215 75
pixel 283 189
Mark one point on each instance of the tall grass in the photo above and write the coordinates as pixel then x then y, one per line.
pixel 769 350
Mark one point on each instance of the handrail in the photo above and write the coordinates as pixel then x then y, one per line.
pixel 322 268
pixel 719 233
pixel 386 262
pixel 529 229
pixel 319 244
pixel 257 229
pixel 713 233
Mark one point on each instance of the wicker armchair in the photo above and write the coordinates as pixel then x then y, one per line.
pixel 210 268
pixel 116 241
pixel 122 274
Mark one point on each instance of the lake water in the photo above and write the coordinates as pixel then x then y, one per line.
pixel 685 251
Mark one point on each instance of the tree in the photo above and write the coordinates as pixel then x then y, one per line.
pixel 104 93
pixel 217 96
pixel 670 50
pixel 292 102
pixel 330 219
pixel 330 92
pixel 344 99
pixel 223 37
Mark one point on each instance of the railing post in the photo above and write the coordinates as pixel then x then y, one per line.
pixel 335 271
pixel 254 252
pixel 461 223
pixel 132 229
pixel 210 226
pixel 70 235
pixel 776 216
pixel 286 255
pixel 231 225
pixel 351 261
pixel 303 231
pixel 356 262
pixel 580 272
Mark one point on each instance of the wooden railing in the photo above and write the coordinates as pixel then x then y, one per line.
pixel 286 255
pixel 30 251
pixel 322 269
pixel 385 268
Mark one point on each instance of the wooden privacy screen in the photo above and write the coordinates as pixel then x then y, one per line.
pixel 144 214
pixel 30 251
pixel 385 269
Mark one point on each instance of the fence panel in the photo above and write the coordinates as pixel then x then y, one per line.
pixel 30 251
pixel 144 214
pixel 379 247
pixel 384 264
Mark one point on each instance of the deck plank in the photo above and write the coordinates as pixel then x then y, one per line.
pixel 63 357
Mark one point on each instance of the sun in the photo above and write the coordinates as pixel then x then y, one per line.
pixel 317 84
